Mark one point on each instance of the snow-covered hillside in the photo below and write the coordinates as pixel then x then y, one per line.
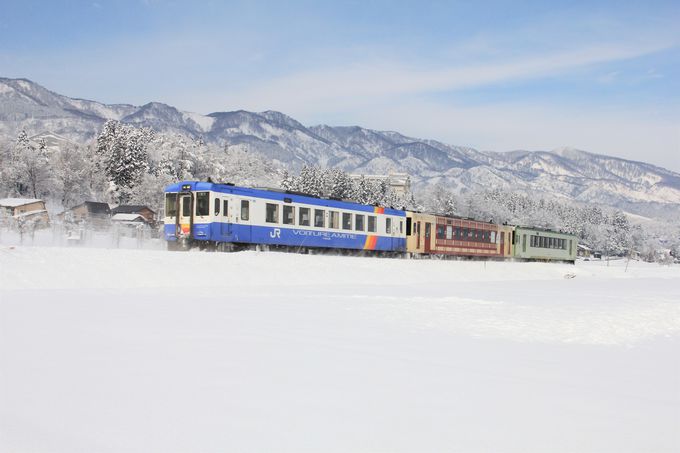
pixel 140 350
pixel 569 173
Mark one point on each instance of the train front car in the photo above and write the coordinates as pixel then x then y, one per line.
pixel 537 244
pixel 187 214
pixel 231 217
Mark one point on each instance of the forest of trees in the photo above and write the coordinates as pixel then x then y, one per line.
pixel 123 165
pixel 129 165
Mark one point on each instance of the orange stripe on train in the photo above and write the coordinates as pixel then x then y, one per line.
pixel 370 242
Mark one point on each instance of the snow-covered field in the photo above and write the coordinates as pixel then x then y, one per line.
pixel 152 351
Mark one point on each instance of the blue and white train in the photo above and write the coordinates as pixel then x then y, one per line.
pixel 229 217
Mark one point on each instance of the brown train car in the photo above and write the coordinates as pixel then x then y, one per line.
pixel 428 234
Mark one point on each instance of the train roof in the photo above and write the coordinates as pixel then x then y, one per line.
pixel 545 230
pixel 278 195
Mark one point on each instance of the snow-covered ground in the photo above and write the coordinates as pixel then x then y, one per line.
pixel 143 351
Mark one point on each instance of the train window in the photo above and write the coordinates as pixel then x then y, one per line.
pixel 272 213
pixel 570 249
pixel 334 219
pixel 245 210
pixel 346 221
pixel 449 232
pixel 408 226
pixel 217 206
pixel 492 237
pixel 304 217
pixel 170 204
pixel 288 215
pixel 372 223
pixel 524 243
pixel 388 225
pixel 202 203
pixel 440 232
pixel 225 205
pixel 401 226
pixel 470 234
pixel 359 222
pixel 319 218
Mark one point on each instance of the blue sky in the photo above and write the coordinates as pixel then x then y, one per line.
pixel 599 76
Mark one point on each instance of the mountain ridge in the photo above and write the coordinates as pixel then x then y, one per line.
pixel 563 172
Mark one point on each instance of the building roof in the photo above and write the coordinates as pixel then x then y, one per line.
pixel 127 218
pixel 95 207
pixel 130 209
pixel 16 202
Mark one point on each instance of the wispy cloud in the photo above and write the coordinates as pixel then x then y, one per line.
pixel 370 81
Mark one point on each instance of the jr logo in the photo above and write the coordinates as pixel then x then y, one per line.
pixel 276 233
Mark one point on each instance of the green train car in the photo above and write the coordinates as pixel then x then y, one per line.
pixel 538 244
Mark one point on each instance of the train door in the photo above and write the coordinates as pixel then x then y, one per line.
pixel 418 236
pixel 503 252
pixel 185 218
pixel 225 221
pixel 428 234
pixel 242 220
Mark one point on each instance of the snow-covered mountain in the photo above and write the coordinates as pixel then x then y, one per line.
pixel 569 173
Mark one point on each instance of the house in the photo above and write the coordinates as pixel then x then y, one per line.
pixel 93 213
pixel 24 209
pixel 584 251
pixel 147 213
pixel 129 224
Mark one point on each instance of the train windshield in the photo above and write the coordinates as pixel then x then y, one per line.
pixel 170 204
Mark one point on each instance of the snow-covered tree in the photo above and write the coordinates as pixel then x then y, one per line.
pixel 442 201
pixel 27 169
pixel 123 157
pixel 72 172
